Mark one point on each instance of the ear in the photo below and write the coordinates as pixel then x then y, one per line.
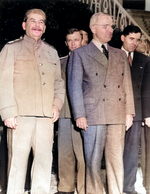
pixel 93 29
pixel 44 29
pixel 24 25
pixel 122 38
pixel 66 43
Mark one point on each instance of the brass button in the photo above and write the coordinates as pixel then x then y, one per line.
pixel 41 64
pixel 38 55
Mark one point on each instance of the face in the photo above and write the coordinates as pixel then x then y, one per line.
pixel 73 41
pixel 142 46
pixel 34 26
pixel 85 37
pixel 131 41
pixel 102 30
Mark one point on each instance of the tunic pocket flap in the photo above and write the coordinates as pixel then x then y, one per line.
pixel 51 60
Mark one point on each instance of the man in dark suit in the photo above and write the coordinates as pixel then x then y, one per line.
pixel 130 37
pixel 70 148
pixel 100 91
pixel 146 116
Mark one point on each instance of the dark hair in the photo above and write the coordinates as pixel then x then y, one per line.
pixel 131 29
pixel 72 30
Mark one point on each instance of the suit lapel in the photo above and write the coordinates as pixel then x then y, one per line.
pixel 113 62
pixel 97 55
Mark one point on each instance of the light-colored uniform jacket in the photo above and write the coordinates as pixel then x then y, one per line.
pixel 30 79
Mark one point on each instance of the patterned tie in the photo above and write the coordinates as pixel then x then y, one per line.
pixel 105 51
pixel 130 59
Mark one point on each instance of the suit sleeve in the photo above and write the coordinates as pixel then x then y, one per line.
pixel 145 93
pixel 8 106
pixel 75 82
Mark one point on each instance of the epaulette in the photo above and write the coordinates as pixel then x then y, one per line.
pixel 63 57
pixel 16 40
pixel 48 44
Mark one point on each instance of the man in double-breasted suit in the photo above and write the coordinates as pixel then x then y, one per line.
pixel 31 97
pixel 101 95
pixel 130 37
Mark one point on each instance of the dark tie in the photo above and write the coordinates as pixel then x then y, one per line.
pixel 105 51
pixel 130 59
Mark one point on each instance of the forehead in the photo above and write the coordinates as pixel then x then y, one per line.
pixel 134 35
pixel 75 35
pixel 104 19
pixel 36 16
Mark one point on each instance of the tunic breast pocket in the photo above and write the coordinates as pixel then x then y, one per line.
pixel 50 68
pixel 23 63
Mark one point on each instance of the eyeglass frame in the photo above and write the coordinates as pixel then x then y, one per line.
pixel 106 26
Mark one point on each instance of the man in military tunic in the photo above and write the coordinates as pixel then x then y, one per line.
pixel 31 97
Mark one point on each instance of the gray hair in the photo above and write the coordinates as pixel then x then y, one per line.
pixel 95 17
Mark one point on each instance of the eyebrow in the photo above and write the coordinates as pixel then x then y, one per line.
pixel 35 19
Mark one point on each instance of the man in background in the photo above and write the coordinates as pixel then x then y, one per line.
pixel 130 37
pixel 85 37
pixel 31 97
pixel 70 148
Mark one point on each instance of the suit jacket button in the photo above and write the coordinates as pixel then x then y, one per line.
pixel 96 74
pixel 104 86
pixel 104 99
pixel 122 74
pixel 118 86
pixel 119 99
pixel 44 83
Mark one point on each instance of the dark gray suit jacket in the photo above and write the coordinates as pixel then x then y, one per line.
pixel 140 82
pixel 99 89
pixel 146 87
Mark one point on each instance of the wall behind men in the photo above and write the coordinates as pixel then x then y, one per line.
pixel 61 15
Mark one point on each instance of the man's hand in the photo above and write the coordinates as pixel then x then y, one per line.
pixel 147 121
pixel 82 123
pixel 129 121
pixel 55 113
pixel 11 122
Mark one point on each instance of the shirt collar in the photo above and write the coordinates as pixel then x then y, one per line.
pixel 127 53
pixel 32 41
pixel 99 45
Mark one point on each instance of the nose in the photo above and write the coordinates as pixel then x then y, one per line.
pixel 136 42
pixel 111 29
pixel 37 23
pixel 73 43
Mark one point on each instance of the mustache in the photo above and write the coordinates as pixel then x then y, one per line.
pixel 37 29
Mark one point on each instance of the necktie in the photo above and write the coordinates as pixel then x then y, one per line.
pixel 130 59
pixel 105 51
